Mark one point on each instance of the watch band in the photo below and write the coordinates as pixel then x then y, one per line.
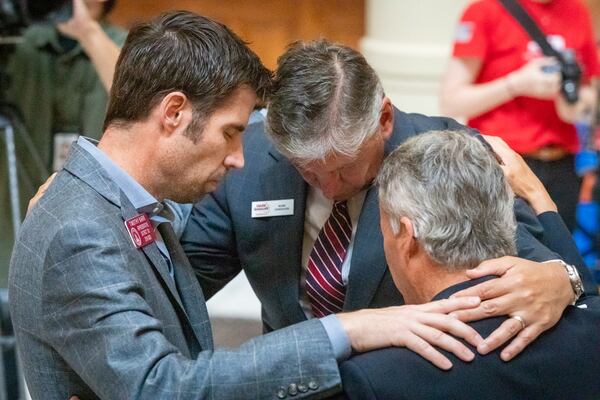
pixel 574 278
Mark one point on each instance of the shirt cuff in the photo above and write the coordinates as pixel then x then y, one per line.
pixel 340 343
pixel 553 260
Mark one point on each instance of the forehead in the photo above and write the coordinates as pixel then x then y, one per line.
pixel 236 107
pixel 335 161
pixel 330 163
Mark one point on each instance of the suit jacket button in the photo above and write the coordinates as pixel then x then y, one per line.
pixel 293 389
pixel 313 384
pixel 302 388
pixel 281 393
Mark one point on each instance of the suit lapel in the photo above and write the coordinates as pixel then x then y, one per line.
pixel 368 263
pixel 282 181
pixel 368 260
pixel 81 164
pixel 190 312
pixel 151 251
pixel 193 300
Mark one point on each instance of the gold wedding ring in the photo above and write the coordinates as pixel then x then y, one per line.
pixel 520 319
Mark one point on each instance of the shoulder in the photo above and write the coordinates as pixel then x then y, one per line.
pixel 481 8
pixel 588 306
pixel 259 152
pixel 70 208
pixel 418 123
pixel 392 373
pixel 68 196
pixel 256 140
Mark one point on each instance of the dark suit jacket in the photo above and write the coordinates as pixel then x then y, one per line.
pixel 554 237
pixel 563 363
pixel 221 238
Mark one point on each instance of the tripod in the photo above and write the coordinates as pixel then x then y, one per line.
pixel 6 125
pixel 13 185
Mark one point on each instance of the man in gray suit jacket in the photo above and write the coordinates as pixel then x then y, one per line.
pixel 328 128
pixel 103 300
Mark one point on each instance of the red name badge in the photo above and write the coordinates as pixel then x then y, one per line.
pixel 140 230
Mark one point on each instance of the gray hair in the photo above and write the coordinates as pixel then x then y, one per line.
pixel 453 190
pixel 326 99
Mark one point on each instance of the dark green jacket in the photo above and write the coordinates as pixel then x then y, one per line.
pixel 53 90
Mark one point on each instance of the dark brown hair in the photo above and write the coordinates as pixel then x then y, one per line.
pixel 181 51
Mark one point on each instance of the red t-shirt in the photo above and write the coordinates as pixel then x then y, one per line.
pixel 488 32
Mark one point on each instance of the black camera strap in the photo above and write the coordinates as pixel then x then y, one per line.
pixel 525 20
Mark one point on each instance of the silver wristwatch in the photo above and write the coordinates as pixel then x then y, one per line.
pixel 574 278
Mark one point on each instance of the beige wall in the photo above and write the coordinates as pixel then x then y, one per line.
pixel 408 44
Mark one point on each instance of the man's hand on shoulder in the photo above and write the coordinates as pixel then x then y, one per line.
pixel 416 327
pixel 40 192
pixel 534 296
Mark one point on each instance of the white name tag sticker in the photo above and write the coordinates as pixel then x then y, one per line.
pixel 272 208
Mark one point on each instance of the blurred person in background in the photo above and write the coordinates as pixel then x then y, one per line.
pixel 500 81
pixel 59 77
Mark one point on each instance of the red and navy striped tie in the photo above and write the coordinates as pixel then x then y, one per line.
pixel 324 284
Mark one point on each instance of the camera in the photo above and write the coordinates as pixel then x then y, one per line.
pixel 15 15
pixel 571 76
pixel 570 72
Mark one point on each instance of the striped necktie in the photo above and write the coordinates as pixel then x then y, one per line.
pixel 324 284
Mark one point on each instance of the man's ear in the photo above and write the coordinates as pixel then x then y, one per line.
pixel 407 231
pixel 386 118
pixel 172 110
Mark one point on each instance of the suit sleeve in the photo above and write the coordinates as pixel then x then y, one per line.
pixel 558 238
pixel 209 242
pixel 545 237
pixel 96 317
pixel 530 234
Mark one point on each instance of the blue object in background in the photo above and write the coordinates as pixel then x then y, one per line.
pixel 588 226
pixel 587 158
pixel 587 214
pixel 586 161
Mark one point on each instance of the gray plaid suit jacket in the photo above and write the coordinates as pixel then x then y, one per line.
pixel 96 317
